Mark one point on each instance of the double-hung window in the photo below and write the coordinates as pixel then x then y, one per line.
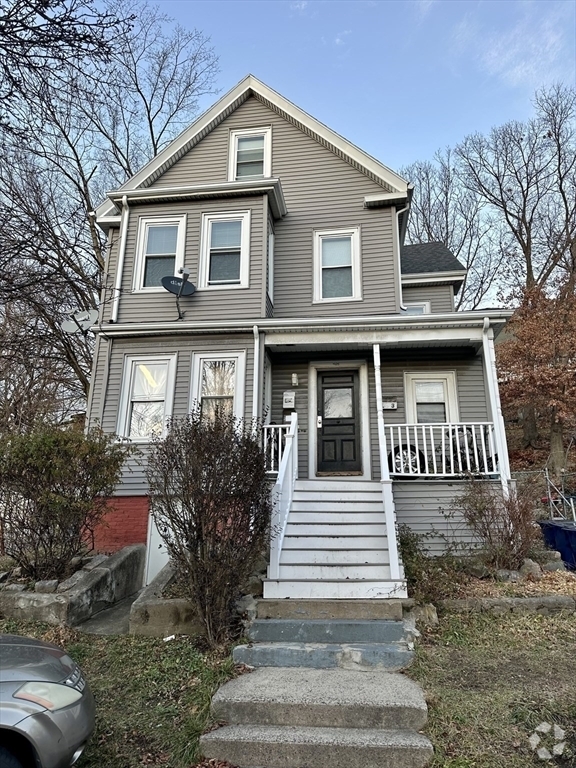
pixel 146 397
pixel 431 398
pixel 159 250
pixel 218 383
pixel 250 154
pixel 225 250
pixel 337 265
pixel 417 308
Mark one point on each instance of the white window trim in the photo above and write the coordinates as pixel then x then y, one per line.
pixel 233 150
pixel 448 378
pixel 424 304
pixel 354 234
pixel 140 261
pixel 198 359
pixel 204 271
pixel 130 363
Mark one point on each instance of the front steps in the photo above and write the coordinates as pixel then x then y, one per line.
pixel 335 544
pixel 295 718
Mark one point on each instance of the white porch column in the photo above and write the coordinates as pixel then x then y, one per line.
pixel 385 480
pixel 495 404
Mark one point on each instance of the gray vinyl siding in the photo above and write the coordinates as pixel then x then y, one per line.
pixel 133 478
pixel 430 508
pixel 282 381
pixel 441 297
pixel 470 389
pixel 204 305
pixel 322 191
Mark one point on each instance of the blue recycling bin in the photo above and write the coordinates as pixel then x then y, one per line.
pixel 561 536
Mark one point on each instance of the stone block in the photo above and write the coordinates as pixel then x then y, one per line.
pixel 531 569
pixel 48 586
pixel 554 565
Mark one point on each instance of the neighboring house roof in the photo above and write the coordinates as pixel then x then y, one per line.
pixel 430 262
pixel 429 257
pixel 251 86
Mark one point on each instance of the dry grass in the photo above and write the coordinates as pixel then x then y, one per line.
pixel 552 583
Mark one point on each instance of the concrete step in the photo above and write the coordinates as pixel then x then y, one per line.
pixel 338 698
pixel 332 556
pixel 335 572
pixel 325 631
pixel 300 541
pixel 372 610
pixel 344 485
pixel 390 657
pixel 326 589
pixel 337 529
pixel 252 746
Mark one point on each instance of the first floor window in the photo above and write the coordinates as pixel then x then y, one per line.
pixel 431 398
pixel 146 398
pixel 159 251
pixel 218 383
pixel 337 265
pixel 225 250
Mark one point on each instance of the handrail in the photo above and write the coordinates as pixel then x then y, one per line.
pixel 443 449
pixel 282 494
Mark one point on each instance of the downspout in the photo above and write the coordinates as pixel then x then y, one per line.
pixel 385 480
pixel 121 254
pixel 256 378
pixel 396 246
pixel 495 405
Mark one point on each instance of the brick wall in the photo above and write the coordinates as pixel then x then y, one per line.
pixel 125 523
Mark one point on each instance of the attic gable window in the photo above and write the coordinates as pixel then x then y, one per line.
pixel 159 250
pixel 337 265
pixel 225 244
pixel 250 154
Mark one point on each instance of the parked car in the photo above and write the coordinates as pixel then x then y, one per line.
pixel 46 706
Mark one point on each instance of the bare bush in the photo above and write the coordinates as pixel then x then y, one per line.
pixel 55 486
pixel 210 499
pixel 505 525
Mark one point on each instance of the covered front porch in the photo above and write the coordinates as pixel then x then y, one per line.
pixel 338 444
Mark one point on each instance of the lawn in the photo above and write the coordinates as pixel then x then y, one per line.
pixel 489 682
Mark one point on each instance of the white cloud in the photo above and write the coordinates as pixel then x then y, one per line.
pixel 423 7
pixel 531 51
pixel 340 38
pixel 300 5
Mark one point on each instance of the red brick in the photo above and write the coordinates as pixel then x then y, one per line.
pixel 126 523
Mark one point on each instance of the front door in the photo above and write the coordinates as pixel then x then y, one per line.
pixel 338 426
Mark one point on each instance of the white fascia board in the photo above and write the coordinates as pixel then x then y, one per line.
pixel 417 278
pixel 240 92
pixel 384 336
pixel 387 323
pixel 106 222
pixel 270 187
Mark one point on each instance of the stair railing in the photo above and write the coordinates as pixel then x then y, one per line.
pixel 282 494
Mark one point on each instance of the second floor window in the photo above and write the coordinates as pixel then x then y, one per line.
pixel 225 250
pixel 159 251
pixel 337 265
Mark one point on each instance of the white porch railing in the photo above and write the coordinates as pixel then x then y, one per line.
pixel 443 450
pixel 282 493
pixel 274 443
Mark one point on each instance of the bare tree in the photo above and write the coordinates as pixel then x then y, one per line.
pixel 444 210
pixel 79 142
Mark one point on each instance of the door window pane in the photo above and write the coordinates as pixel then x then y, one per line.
pixel 338 403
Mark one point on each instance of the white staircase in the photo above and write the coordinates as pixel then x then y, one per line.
pixel 335 543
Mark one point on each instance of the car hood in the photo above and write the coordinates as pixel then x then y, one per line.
pixel 25 659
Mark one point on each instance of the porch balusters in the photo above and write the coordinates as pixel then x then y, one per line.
pixel 282 494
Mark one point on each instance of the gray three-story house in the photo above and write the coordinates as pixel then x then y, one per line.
pixel 310 313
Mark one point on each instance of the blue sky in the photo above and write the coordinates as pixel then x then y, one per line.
pixel 399 78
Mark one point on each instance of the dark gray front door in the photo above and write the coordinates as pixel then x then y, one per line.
pixel 338 428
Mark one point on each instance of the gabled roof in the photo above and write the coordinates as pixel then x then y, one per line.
pixel 251 86
pixel 428 257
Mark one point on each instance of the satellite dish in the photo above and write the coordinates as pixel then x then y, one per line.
pixel 80 322
pixel 178 286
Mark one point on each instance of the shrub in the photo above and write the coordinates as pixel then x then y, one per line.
pixel 505 526
pixel 430 578
pixel 54 490
pixel 210 499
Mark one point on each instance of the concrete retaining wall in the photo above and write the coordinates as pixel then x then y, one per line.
pixel 85 593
